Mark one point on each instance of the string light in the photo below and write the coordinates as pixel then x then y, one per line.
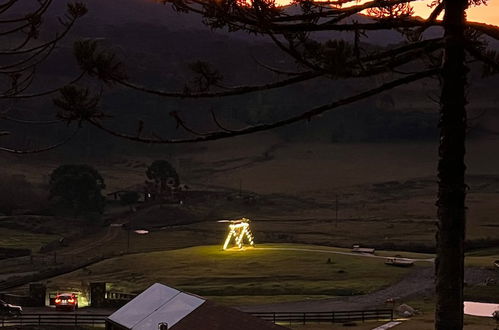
pixel 238 231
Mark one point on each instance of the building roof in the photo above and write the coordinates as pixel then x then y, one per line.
pixel 159 303
pixel 211 316
pixel 182 311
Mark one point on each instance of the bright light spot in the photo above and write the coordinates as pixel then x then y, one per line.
pixel 239 230
pixel 83 301
pixel 141 231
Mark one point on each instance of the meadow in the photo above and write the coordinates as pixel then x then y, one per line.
pixel 241 277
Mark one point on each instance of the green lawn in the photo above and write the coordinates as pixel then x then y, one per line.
pixel 482 258
pixel 251 276
pixel 11 238
pixel 368 325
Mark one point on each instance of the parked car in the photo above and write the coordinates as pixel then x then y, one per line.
pixel 9 310
pixel 66 301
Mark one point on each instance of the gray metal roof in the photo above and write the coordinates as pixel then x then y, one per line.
pixel 159 303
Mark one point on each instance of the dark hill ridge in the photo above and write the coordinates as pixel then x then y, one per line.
pixel 156 44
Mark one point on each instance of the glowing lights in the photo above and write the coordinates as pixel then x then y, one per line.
pixel 239 230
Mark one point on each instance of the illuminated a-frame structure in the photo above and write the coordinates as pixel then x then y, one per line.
pixel 238 231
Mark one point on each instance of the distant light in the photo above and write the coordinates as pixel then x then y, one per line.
pixel 141 231
pixel 238 231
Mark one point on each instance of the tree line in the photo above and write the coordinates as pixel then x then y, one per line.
pixel 76 190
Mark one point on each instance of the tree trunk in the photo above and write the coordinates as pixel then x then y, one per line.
pixel 449 265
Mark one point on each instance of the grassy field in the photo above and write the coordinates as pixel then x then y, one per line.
pixel 386 194
pixel 337 326
pixel 386 191
pixel 424 322
pixel 12 238
pixel 261 275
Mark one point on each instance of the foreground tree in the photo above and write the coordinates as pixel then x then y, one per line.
pixel 24 46
pixel 451 171
pixel 293 32
pixel 78 188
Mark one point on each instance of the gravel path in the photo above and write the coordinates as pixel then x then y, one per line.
pixel 356 254
pixel 418 282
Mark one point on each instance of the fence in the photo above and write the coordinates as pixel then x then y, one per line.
pixel 275 317
pixel 325 317
pixel 55 319
pixel 119 296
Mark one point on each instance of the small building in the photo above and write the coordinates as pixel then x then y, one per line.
pixel 162 307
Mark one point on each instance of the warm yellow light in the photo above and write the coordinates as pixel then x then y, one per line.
pixel 238 231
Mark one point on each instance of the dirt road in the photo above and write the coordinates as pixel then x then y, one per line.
pixel 356 254
pixel 418 282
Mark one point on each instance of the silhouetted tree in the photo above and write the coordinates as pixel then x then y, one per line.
pixel 163 173
pixel 78 188
pixel 293 32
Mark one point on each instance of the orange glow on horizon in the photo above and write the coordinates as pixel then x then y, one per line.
pixel 485 14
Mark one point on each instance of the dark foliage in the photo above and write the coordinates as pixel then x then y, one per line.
pixel 77 188
pixel 163 173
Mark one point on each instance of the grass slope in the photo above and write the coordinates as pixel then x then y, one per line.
pixel 251 276
pixel 20 239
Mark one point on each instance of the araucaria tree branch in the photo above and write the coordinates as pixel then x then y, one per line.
pixel 24 47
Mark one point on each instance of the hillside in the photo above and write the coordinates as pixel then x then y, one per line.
pixel 157 44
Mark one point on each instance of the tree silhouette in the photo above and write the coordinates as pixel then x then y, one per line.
pixel 162 172
pixel 24 46
pixel 293 31
pixel 78 188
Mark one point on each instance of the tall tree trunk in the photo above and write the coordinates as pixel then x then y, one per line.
pixel 449 265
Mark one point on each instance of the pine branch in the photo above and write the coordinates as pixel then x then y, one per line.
pixel 488 29
pixel 211 136
pixel 236 90
pixel 42 93
pixel 39 150
pixel 490 59
pixel 29 122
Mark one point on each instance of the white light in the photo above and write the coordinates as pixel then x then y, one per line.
pixel 141 231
